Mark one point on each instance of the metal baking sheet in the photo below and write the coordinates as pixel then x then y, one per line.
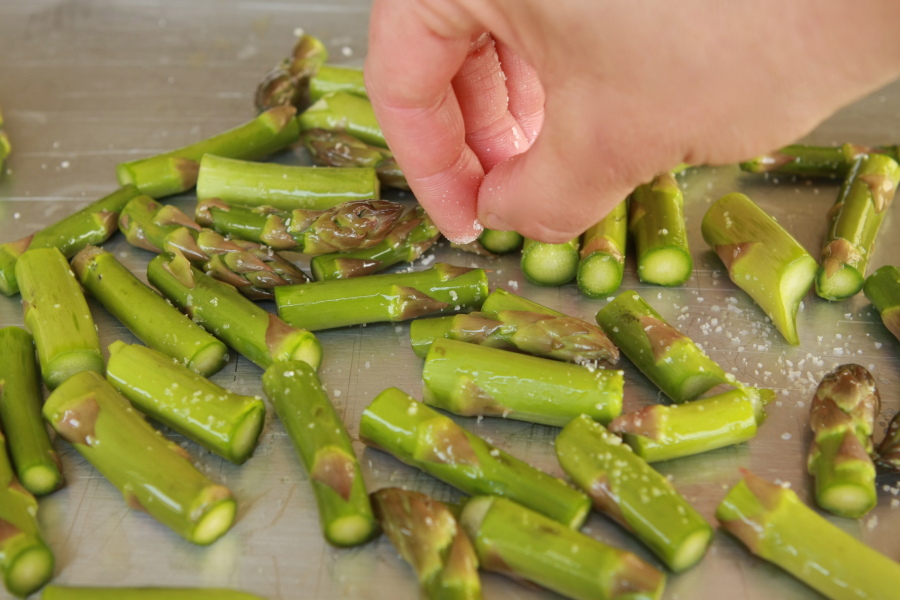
pixel 89 83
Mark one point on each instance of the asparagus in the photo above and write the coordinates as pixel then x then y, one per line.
pixel 426 534
pixel 629 491
pixel 152 473
pixel 26 562
pixel 32 455
pixel 413 234
pixel 5 146
pixel 147 314
pixel 523 544
pixel 254 269
pixel 657 432
pixel 340 149
pixel 58 592
pixel 888 455
pixel 855 218
pixel 176 171
pixel 761 258
pixel 549 264
pixel 665 355
pixel 326 450
pixel 57 315
pixel 882 288
pixel 288 83
pixel 500 300
pixel 500 242
pixel 347 226
pixel 392 297
pixel 776 526
pixel 815 161
pixel 842 418
pixel 343 111
pixel 656 223
pixel 602 258
pixel 93 224
pixel 283 187
pixel 257 334
pixel 332 78
pixel 472 380
pixel 229 424
pixel 420 436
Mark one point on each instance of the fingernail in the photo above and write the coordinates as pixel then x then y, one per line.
pixel 495 222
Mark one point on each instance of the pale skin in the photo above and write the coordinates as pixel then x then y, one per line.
pixel 539 116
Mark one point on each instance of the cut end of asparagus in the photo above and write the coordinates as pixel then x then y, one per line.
pixel 40 479
pixel 550 264
pixel 691 551
pixel 215 522
pixel 843 282
pixel 65 365
pixel 666 266
pixel 848 500
pixel 246 434
pixel 348 530
pixel 599 275
pixel 29 571
pixel 209 359
pixel 798 277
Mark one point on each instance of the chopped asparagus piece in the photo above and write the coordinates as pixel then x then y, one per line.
pixel 58 592
pixel 602 258
pixel 500 242
pixel 815 161
pixel 288 83
pixel 549 264
pixel 420 436
pixel 331 78
pixel 882 288
pixel 343 111
pixel 500 300
pixel 656 223
pixel 340 149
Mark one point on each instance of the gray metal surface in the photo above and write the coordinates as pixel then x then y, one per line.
pixel 87 84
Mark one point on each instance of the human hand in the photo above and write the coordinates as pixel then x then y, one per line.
pixel 580 101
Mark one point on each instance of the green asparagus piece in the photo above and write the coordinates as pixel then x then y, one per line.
pixel 229 424
pixel 602 258
pixel 147 314
pixel 882 288
pixel 176 171
pixel 666 356
pixel 57 315
pixel 549 264
pixel 888 455
pixel 656 223
pixel 331 78
pixel 283 187
pixel 523 544
pixel 347 226
pixel 815 161
pixel 32 455
pixel 775 525
pixel 473 380
pixel 413 234
pixel 252 268
pixel 761 258
pixel 26 562
pixel 657 432
pixel 500 242
pixel 500 300
pixel 343 111
pixel 842 418
pixel 426 534
pixel 420 436
pixel 93 224
pixel 5 146
pixel 326 450
pixel 58 592
pixel 251 330
pixel 855 218
pixel 340 149
pixel 153 474
pixel 629 491
pixel 374 298
pixel 288 83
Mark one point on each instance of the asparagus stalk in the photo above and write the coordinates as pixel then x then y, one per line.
pixel 176 171
pixel 775 525
pixel 392 297
pixel 93 224
pixel 842 418
pixel 656 223
pixel 602 258
pixel 549 264
pixel 5 146
pixel 229 424
pixel 343 111
pixel 326 450
pixel 815 161
pixel 523 544
pixel 419 436
pixel 32 455
pixel 347 226
pixel 147 314
pixel 500 242
pixel 629 491
pixel 472 380
pixel 666 356
pixel 26 562
pixel 283 187
pixel 413 234
pixel 288 83
pixel 882 288
pixel 500 300
pixel 426 534
pixel 257 334
pixel 657 432
pixel 331 78
pixel 254 269
pixel 58 317
pixel 340 149
pixel 152 473
pixel 761 258
pixel 888 455
pixel 58 592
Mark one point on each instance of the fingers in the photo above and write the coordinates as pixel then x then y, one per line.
pixel 526 94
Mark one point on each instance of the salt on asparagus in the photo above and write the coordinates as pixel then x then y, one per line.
pixel 656 224
pixel 601 262
pixel 340 149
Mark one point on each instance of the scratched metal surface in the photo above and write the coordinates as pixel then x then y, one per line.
pixel 87 84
